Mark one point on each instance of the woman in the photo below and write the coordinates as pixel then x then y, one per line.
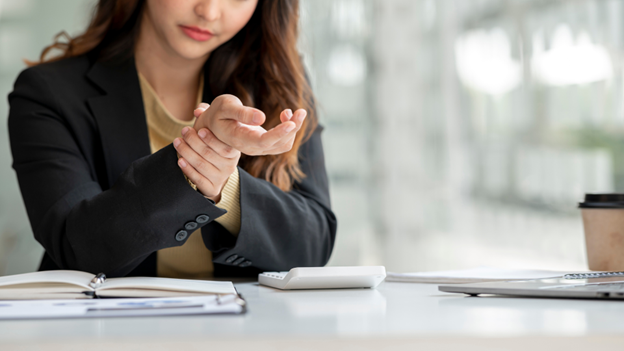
pixel 122 174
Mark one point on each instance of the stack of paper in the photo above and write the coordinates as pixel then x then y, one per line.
pixel 211 304
pixel 475 275
pixel 46 295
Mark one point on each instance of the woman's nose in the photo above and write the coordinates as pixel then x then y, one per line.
pixel 210 10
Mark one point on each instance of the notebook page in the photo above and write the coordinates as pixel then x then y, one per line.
pixel 169 284
pixel 144 293
pixel 474 275
pixel 77 278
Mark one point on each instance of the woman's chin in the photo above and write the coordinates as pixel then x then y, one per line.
pixel 192 52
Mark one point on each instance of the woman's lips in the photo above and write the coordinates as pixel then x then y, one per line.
pixel 196 33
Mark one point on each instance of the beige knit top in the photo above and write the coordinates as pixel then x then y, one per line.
pixel 191 260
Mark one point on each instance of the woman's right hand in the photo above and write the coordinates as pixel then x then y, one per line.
pixel 206 161
pixel 241 127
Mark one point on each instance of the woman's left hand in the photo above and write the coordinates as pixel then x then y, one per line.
pixel 232 123
pixel 206 161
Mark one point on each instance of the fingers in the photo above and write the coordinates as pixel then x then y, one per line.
pixel 217 145
pixel 299 117
pixel 199 120
pixel 200 109
pixel 204 185
pixel 228 128
pixel 286 115
pixel 269 139
pixel 285 133
pixel 201 165
pixel 246 115
pixel 282 147
pixel 232 108
pixel 202 143
pixel 255 140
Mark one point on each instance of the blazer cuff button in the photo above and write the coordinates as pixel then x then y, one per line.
pixel 190 226
pixel 181 235
pixel 201 219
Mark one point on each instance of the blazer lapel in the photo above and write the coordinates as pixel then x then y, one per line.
pixel 120 116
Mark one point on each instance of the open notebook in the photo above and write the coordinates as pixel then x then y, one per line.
pixel 81 285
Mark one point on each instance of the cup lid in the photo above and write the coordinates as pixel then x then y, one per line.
pixel 606 200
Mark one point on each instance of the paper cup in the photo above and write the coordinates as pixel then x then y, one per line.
pixel 603 221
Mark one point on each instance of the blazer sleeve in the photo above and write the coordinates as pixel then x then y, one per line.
pixel 79 225
pixel 280 230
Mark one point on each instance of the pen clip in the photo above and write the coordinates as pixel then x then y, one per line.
pixel 98 280
pixel 240 300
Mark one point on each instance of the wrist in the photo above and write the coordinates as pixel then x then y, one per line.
pixel 215 198
pixel 227 188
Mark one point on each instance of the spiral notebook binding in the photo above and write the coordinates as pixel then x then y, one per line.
pixel 98 280
pixel 593 275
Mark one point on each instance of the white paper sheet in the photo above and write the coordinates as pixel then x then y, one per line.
pixel 475 275
pixel 35 309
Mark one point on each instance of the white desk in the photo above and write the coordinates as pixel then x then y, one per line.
pixel 402 314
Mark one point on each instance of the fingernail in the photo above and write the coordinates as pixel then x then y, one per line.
pixel 176 142
pixel 257 118
pixel 289 113
pixel 185 130
pixel 290 128
pixel 182 163
pixel 202 133
pixel 304 115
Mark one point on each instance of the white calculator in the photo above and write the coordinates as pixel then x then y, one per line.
pixel 324 278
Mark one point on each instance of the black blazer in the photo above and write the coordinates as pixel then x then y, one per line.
pixel 99 202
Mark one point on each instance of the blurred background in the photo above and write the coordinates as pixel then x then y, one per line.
pixel 459 133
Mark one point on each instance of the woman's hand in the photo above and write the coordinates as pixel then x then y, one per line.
pixel 240 126
pixel 206 161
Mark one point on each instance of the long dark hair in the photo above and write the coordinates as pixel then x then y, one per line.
pixel 260 65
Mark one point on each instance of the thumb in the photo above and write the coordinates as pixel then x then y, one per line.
pixel 245 115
